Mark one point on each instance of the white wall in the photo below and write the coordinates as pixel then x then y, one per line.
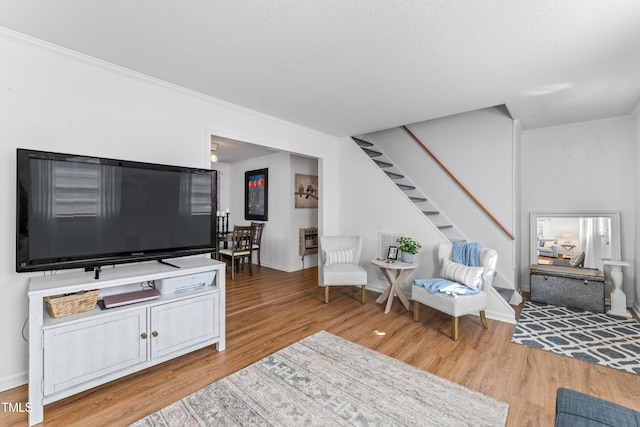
pixel 517 199
pixel 477 147
pixel 224 192
pixel 58 101
pixel 582 167
pixel 301 217
pixel 371 205
pixel 280 238
pixel 636 259
pixel 273 237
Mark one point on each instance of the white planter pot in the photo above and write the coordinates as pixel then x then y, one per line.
pixel 407 257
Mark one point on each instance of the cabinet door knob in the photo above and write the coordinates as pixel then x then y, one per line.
pixel 154 333
pixel 143 335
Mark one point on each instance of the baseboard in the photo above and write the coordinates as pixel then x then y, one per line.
pixel 501 317
pixel 516 298
pixel 378 287
pixel 14 381
pixel 286 269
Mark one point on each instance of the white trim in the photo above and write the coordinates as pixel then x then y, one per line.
pixel 498 308
pixel 13 381
pixel 636 308
pixel 584 123
pixel 501 317
pixel 23 38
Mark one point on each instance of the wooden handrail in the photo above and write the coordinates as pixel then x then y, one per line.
pixel 457 181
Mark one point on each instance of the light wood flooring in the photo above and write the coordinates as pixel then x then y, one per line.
pixel 550 260
pixel 272 310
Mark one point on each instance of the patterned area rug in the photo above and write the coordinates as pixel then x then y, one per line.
pixel 592 337
pixel 324 380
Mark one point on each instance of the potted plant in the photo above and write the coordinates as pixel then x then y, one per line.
pixel 409 248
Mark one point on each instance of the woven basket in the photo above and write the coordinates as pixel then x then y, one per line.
pixel 64 305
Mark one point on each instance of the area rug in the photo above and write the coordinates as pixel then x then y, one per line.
pixel 324 380
pixel 592 337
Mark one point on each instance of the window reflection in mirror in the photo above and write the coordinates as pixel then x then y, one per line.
pixel 579 240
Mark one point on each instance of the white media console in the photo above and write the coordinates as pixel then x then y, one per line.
pixel 71 354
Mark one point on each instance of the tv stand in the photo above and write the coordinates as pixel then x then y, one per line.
pixel 74 353
pixel 161 261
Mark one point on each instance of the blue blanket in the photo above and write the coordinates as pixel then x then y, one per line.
pixel 445 286
pixel 467 253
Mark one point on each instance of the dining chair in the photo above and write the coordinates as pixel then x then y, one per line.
pixel 257 238
pixel 239 248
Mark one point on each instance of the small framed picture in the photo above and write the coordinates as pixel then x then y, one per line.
pixel 392 255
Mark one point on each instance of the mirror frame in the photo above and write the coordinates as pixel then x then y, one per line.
pixel 615 229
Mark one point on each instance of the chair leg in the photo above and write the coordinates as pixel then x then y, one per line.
pixel 326 295
pixel 233 265
pixel 416 311
pixel 483 318
pixel 364 295
pixel 259 263
pixel 454 331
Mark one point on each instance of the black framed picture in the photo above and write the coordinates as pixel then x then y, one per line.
pixel 256 194
pixel 393 253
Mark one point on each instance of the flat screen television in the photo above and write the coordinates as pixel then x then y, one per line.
pixel 78 211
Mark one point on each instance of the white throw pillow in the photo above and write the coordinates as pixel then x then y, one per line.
pixel 471 277
pixel 338 256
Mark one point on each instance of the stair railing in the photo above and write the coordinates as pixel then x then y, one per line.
pixel 457 181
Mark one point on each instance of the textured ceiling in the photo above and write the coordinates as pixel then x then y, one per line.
pixel 353 67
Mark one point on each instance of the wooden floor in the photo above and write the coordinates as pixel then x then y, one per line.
pixel 272 310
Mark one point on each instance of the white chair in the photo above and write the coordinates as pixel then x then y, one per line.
pixel 340 258
pixel 462 304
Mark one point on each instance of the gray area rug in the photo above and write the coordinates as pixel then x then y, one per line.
pixel 592 337
pixel 324 380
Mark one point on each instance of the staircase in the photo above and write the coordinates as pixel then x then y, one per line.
pixel 437 218
pixel 501 297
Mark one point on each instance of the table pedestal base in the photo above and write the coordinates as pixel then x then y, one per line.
pixel 395 280
pixel 618 298
pixel 619 304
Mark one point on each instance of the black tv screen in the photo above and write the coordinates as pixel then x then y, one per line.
pixel 78 211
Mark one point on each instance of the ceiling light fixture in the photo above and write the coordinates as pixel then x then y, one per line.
pixel 214 158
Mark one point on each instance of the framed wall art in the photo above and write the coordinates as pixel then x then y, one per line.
pixel 306 191
pixel 256 194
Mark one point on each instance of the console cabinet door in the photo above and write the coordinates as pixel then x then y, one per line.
pixel 83 351
pixel 176 327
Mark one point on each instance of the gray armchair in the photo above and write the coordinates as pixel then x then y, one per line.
pixel 548 248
